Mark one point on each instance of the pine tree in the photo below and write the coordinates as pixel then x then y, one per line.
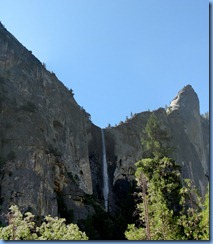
pixel 168 210
pixel 156 139
pixel 159 181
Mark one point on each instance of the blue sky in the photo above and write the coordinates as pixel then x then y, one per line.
pixel 119 56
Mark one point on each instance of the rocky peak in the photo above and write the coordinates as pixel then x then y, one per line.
pixel 186 101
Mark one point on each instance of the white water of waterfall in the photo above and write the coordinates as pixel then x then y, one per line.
pixel 105 173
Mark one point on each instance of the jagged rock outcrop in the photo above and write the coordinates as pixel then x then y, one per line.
pixel 51 153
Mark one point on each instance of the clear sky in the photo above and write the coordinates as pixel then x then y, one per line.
pixel 118 56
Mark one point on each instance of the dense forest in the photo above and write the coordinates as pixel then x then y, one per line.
pixel 160 206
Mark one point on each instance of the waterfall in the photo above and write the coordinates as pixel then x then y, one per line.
pixel 105 173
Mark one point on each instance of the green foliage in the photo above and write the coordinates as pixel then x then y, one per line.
pixel 23 227
pixel 155 142
pixel 135 234
pixel 164 173
pixel 194 217
pixel 159 182
pixel 167 210
pixel 56 229
pixel 158 220
pixel 204 223
pixel 19 228
pixel 161 223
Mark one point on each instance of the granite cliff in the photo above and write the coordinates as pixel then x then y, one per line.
pixel 51 152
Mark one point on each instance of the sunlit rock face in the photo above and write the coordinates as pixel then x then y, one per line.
pixel 190 133
pixel 44 135
pixel 185 101
pixel 51 152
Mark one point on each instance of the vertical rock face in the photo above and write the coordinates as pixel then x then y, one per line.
pixel 191 135
pixel 51 153
pixel 44 135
